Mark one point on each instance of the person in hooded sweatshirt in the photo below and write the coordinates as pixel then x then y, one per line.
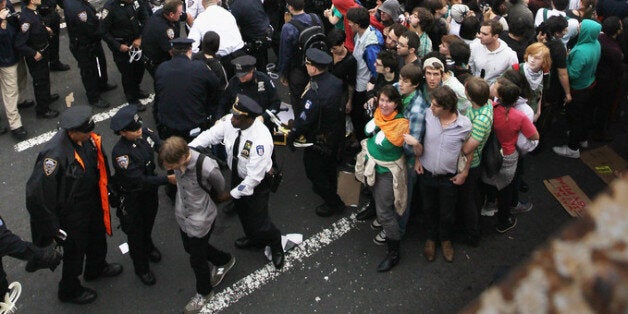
pixel 581 66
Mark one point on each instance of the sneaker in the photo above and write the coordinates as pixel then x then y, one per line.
pixel 380 238
pixel 522 207
pixel 375 225
pixel 219 272
pixel 565 151
pixel 197 302
pixel 489 209
pixel 584 144
pixel 507 225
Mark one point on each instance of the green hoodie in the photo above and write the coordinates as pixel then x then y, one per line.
pixel 584 57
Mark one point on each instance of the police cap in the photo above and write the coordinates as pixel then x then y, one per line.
pixel 182 43
pixel 243 65
pixel 317 57
pixel 77 118
pixel 245 106
pixel 126 119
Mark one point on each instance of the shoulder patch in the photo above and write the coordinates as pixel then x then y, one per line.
pixel 170 33
pixel 50 165
pixel 25 27
pixel 260 150
pixel 123 161
pixel 82 16
pixel 103 14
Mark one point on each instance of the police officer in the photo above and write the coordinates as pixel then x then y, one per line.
pixel 182 91
pixel 249 148
pixel 12 245
pixel 82 24
pixel 121 27
pixel 32 43
pixel 67 194
pixel 161 28
pixel 255 29
pixel 322 123
pixel 134 162
pixel 51 18
pixel 255 84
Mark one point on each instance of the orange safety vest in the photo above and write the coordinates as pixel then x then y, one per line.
pixel 102 180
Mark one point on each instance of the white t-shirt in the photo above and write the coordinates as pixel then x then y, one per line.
pixel 216 18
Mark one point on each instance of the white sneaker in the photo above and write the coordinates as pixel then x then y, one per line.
pixel 197 302
pixel 10 298
pixel 219 272
pixel 489 209
pixel 375 225
pixel 565 151
pixel 380 238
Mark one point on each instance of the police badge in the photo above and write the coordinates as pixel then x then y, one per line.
pixel 50 165
pixel 25 27
pixel 123 161
pixel 170 33
pixel 82 16
pixel 260 150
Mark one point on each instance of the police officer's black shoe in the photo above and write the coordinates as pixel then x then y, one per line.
pixel 154 255
pixel 57 66
pixel 86 296
pixel 107 87
pixel 100 103
pixel 109 270
pixel 324 210
pixel 26 104
pixel 54 97
pixel 140 107
pixel 48 114
pixel 148 278
pixel 247 243
pixel 19 134
pixel 278 256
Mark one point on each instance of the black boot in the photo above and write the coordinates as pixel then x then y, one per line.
pixel 392 258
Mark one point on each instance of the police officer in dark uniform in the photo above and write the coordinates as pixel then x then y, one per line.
pixel 134 162
pixel 67 193
pixel 83 30
pixel 249 149
pixel 322 123
pixel 33 44
pixel 121 27
pixel 183 89
pixel 255 84
pixel 161 28
pixel 51 18
pixel 255 29
pixel 12 245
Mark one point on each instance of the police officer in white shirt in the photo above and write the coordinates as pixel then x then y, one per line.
pixel 249 147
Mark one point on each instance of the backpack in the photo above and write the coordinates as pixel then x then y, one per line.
pixel 310 36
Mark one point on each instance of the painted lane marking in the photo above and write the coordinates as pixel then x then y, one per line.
pixel 43 138
pixel 264 275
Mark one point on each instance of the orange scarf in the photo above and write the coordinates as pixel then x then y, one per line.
pixel 393 128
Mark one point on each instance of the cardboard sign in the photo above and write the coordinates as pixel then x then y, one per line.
pixel 349 188
pixel 570 196
pixel 604 162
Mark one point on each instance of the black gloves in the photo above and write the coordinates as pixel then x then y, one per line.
pixel 47 257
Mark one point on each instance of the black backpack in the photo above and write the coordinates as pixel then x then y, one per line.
pixel 310 36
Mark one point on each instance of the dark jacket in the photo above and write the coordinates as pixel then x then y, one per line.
pixel 156 37
pixel 32 36
pixel 82 22
pixel 610 69
pixel 122 23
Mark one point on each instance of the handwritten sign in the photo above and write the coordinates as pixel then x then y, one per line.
pixel 570 196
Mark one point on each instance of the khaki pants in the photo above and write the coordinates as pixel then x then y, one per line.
pixel 10 95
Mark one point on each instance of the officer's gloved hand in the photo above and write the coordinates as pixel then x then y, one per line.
pixel 47 257
pixel 290 141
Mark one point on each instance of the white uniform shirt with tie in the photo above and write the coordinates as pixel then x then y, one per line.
pixel 254 151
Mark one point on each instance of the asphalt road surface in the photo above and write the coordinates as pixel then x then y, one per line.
pixel 334 271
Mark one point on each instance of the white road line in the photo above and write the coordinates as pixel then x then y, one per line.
pixel 264 275
pixel 43 138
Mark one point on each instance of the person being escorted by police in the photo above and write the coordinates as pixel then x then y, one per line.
pixel 183 88
pixel 83 30
pixel 249 147
pixel 322 123
pixel 32 43
pixel 255 84
pixel 67 198
pixel 51 18
pixel 134 161
pixel 121 23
